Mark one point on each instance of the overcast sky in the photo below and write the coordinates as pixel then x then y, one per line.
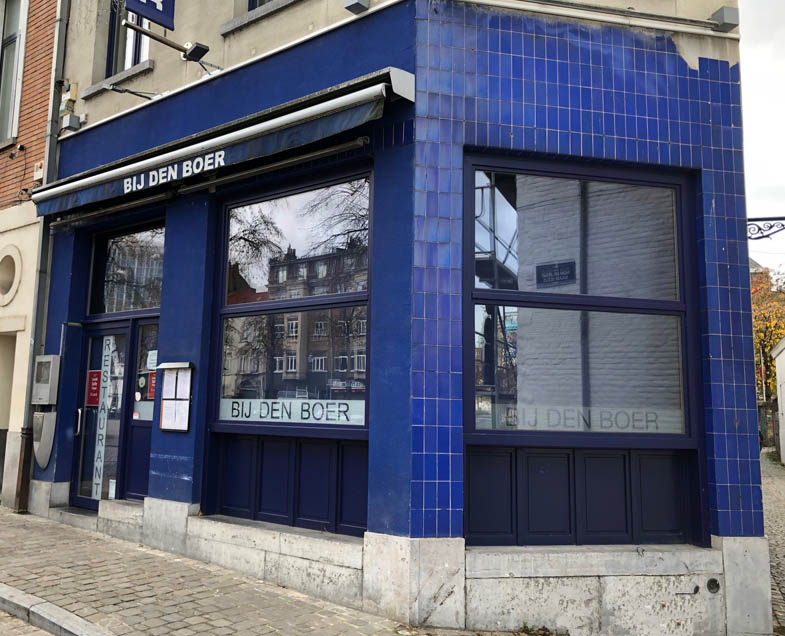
pixel 763 99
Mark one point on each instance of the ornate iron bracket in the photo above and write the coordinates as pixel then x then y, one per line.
pixel 764 227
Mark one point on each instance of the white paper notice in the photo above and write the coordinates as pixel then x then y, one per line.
pixel 152 359
pixel 168 415
pixel 170 380
pixel 183 384
pixel 181 415
pixel 112 488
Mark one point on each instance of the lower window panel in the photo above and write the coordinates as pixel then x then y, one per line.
pixel 310 483
pixel 529 496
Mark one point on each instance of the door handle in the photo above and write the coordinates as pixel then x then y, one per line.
pixel 78 422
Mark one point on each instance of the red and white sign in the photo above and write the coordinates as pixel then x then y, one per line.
pixel 151 386
pixel 93 388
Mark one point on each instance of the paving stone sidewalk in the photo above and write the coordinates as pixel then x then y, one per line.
pixel 132 590
pixel 12 626
pixel 773 474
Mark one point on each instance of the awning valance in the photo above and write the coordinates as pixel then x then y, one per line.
pixel 319 117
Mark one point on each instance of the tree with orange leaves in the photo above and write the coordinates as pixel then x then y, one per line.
pixel 768 326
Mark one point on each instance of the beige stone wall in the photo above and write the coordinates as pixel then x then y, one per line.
pixel 201 20
pixel 7 349
pixel 691 9
pixel 195 20
pixel 20 228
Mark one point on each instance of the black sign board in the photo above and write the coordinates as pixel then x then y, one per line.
pixel 555 274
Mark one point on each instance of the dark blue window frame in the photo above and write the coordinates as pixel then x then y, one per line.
pixel 686 308
pixel 331 301
pixel 126 321
pixel 255 4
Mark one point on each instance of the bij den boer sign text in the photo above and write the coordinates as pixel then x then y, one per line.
pixel 596 419
pixel 295 411
pixel 175 171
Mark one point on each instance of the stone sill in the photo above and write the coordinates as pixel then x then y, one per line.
pixel 574 561
pixel 148 66
pixel 313 545
pixel 250 17
pixel 76 517
pixel 122 510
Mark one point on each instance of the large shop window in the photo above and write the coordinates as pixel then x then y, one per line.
pixel 294 323
pixel 127 271
pixel 580 342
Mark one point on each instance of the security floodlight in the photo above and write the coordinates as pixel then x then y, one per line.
pixel 192 52
pixel 196 51
pixel 727 19
pixel 356 6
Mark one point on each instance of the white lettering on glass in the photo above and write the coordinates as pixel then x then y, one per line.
pixel 103 412
pixel 298 411
pixel 594 419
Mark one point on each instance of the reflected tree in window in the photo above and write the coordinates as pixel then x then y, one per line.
pixel 334 337
pixel 249 348
pixel 254 238
pixel 129 271
pixel 303 245
pixel 347 225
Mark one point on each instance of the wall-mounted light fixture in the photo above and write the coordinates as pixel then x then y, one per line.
pixel 356 6
pixel 727 19
pixel 190 51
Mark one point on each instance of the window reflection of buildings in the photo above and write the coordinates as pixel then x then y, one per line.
pixel 326 348
pixel 578 358
pixel 134 271
pixel 313 354
pixel 496 367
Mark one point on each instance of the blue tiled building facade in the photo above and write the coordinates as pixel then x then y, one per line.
pixel 492 92
pixel 501 81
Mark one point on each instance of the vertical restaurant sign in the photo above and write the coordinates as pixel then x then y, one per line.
pixel 158 11
pixel 103 413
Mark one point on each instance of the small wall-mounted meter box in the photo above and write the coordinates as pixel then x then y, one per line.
pixel 47 373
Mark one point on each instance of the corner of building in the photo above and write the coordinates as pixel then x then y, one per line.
pixel 165 524
pixel 747 584
pixel 436 573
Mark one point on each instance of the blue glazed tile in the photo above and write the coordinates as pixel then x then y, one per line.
pixel 443 467
pixel 429 523
pixel 443 523
pixel 418 467
pixel 417 524
pixel 443 423
pixel 579 90
pixel 443 432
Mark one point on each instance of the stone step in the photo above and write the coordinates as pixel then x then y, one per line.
pixel 77 517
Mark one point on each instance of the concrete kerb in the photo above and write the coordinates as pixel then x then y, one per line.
pixel 45 615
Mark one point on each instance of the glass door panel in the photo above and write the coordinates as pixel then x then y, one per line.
pixel 146 362
pixel 101 417
pixel 136 453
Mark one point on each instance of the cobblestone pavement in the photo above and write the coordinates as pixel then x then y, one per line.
pixel 12 626
pixel 774 517
pixel 136 591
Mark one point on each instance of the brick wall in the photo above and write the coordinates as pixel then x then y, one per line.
pixel 17 173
